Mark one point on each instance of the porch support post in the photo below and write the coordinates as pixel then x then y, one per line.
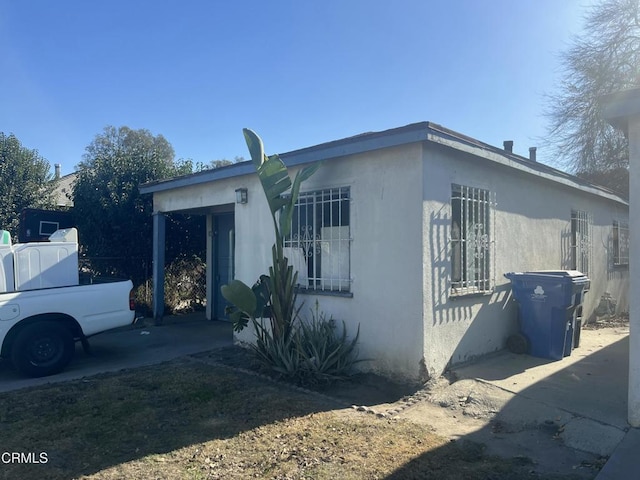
pixel 159 227
pixel 622 110
pixel 210 268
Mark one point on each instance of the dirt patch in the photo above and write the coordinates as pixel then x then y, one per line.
pixel 621 320
pixel 519 429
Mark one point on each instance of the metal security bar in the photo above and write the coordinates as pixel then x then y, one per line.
pixel 471 240
pixel 581 223
pixel 620 242
pixel 319 244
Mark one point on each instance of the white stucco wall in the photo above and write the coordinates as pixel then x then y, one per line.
pixel 385 217
pixel 532 232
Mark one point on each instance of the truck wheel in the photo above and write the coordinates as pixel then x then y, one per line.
pixel 42 349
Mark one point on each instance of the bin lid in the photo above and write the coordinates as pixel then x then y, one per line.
pixel 571 275
pixel 562 273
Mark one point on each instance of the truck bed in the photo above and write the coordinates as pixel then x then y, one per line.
pixel 99 305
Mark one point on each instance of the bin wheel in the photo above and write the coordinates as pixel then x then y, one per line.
pixel 518 343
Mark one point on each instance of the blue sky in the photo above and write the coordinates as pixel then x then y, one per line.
pixel 297 72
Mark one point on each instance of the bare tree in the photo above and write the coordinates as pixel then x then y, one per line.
pixel 606 58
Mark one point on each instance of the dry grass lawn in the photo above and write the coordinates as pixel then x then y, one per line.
pixel 187 420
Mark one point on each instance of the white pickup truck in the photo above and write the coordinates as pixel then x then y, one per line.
pixel 44 309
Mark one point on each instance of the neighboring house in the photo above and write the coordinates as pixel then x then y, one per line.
pixel 36 225
pixel 408 232
pixel 63 193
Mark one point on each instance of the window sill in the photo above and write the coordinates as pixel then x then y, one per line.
pixel 326 293
pixel 461 295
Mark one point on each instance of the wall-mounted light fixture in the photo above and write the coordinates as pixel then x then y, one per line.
pixel 241 195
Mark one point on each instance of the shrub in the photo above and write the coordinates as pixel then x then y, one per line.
pixel 184 284
pixel 184 287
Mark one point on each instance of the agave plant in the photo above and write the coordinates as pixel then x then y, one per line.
pixel 315 352
pixel 325 354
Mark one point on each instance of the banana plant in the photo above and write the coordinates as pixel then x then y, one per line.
pixel 276 183
pixel 274 295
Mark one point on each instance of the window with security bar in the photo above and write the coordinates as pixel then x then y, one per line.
pixel 319 244
pixel 620 243
pixel 471 240
pixel 581 223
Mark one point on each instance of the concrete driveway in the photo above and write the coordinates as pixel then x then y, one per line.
pixel 135 346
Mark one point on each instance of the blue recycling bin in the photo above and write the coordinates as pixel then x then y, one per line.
pixel 547 302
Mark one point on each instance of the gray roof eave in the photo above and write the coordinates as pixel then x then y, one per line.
pixel 235 170
pixel 366 142
pixel 524 165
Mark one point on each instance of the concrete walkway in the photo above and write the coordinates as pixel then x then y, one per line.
pixel 136 346
pixel 591 384
pixel 564 417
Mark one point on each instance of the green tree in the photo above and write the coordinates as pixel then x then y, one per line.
pixel 225 162
pixel 220 163
pixel 25 181
pixel 190 167
pixel 606 58
pixel 113 219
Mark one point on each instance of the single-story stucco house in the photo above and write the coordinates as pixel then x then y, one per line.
pixel 408 232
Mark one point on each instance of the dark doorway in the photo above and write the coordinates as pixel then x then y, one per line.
pixel 223 259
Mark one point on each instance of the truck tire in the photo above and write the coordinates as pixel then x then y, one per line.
pixel 42 348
